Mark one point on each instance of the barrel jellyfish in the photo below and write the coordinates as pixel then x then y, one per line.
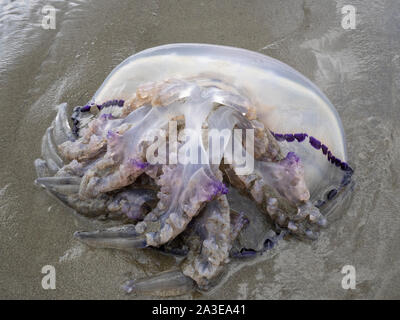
pixel 205 152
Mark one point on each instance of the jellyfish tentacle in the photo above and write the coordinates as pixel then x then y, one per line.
pixel 177 204
pixel 89 145
pixel 316 144
pixel 123 238
pixel 279 189
pixel 131 203
pixel 193 186
pixel 64 185
pixel 170 283
pixel 210 243
pixel 238 221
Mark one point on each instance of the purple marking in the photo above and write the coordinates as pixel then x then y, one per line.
pixel 324 149
pixel 121 103
pixel 85 108
pixel 338 162
pixel 279 137
pixel 300 136
pixel 333 159
pixel 291 156
pixel 344 166
pixel 315 143
pixel 138 163
pixel 289 137
pixel 107 116
pixel 329 155
pixel 111 134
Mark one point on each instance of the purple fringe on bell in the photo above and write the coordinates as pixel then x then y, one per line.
pixel 111 134
pixel 107 116
pixel 289 137
pixel 300 137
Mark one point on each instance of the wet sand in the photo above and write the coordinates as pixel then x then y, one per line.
pixel 359 71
